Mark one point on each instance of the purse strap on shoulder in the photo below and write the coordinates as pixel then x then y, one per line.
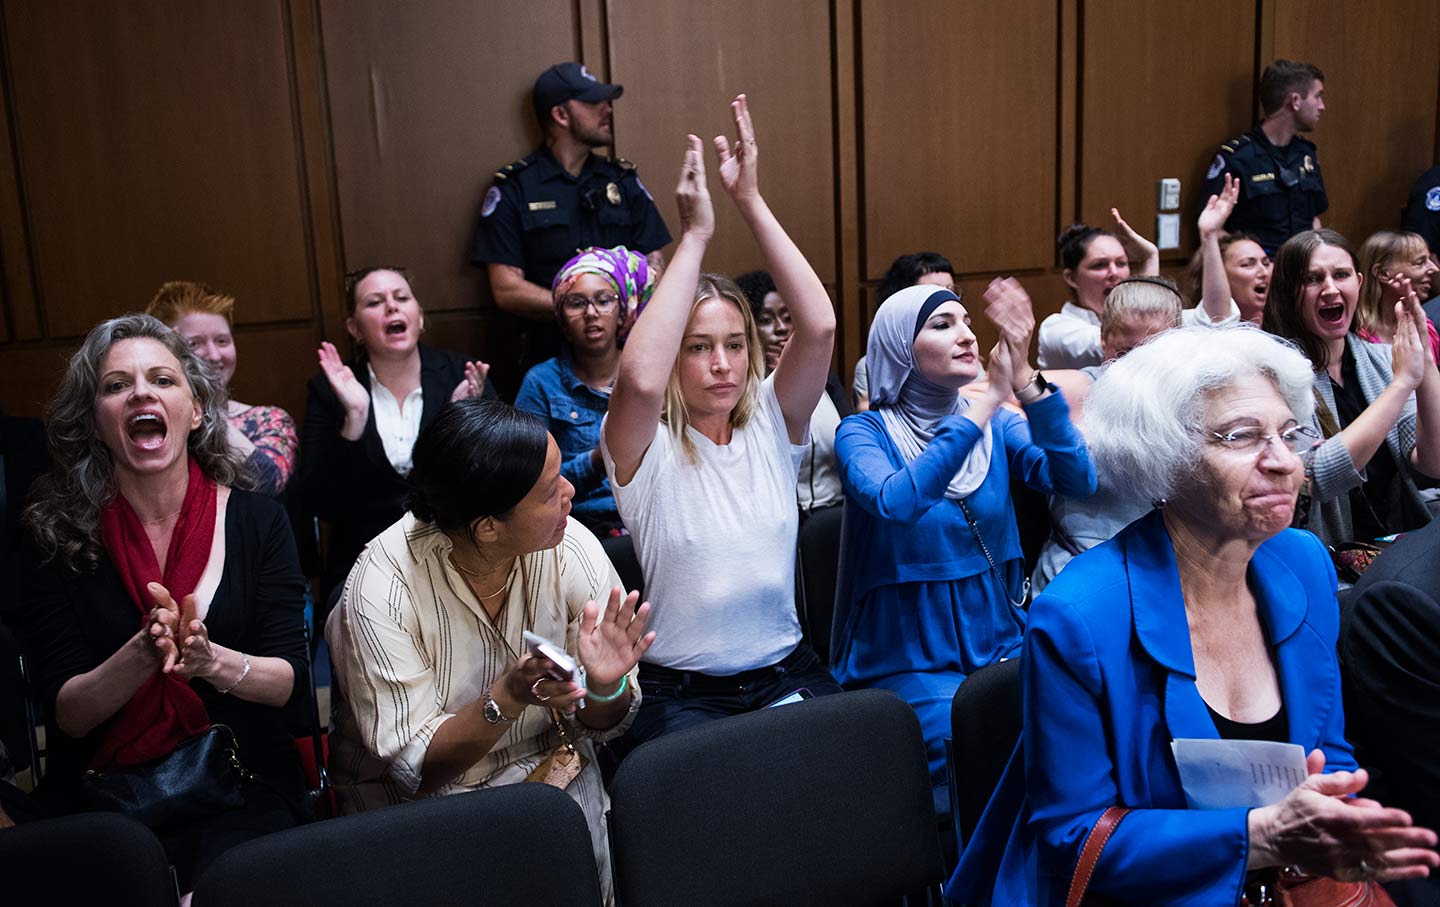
pixel 1090 853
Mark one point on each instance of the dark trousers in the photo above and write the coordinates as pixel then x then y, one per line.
pixel 674 700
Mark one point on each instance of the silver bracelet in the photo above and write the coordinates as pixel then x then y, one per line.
pixel 243 674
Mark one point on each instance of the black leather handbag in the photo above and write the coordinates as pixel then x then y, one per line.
pixel 202 777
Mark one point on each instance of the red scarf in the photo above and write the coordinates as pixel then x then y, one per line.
pixel 165 711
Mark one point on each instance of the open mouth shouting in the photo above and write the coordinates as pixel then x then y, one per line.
pixel 1333 316
pixel 146 430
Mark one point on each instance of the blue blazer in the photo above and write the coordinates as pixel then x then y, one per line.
pixel 1107 681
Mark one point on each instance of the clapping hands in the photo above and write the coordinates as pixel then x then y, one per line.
pixel 181 642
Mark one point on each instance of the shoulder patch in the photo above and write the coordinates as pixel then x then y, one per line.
pixel 492 199
pixel 1432 199
pixel 1217 167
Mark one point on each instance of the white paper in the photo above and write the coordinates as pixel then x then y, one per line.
pixel 1225 774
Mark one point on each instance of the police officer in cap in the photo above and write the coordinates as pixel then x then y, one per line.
pixel 1281 190
pixel 559 199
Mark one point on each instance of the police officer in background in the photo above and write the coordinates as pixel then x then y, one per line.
pixel 1422 209
pixel 559 199
pixel 1281 190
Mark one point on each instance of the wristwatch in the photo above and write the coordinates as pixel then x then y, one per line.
pixel 1034 390
pixel 492 711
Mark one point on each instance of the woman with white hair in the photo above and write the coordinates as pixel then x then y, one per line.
pixel 1209 618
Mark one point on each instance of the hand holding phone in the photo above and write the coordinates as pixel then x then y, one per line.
pixel 541 647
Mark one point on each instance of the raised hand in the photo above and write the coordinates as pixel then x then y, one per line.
pixel 1008 307
pixel 1000 372
pixel 739 171
pixel 692 195
pixel 1137 247
pixel 1217 209
pixel 353 395
pixel 1410 352
pixel 473 384
pixel 611 645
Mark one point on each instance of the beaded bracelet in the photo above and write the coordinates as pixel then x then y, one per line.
pixel 243 674
pixel 619 691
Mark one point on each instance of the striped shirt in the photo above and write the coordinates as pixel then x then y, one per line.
pixel 410 645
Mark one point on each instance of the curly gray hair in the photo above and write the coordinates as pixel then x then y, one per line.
pixel 64 516
pixel 1142 417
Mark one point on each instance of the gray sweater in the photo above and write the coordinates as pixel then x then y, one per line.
pixel 1331 472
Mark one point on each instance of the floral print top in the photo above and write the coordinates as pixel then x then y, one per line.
pixel 272 431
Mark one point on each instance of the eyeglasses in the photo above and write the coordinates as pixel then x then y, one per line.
pixel 604 303
pixel 1252 441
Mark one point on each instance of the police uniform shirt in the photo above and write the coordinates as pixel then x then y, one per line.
pixel 536 216
pixel 1281 190
pixel 1422 209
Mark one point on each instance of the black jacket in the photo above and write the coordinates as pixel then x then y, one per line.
pixel 350 484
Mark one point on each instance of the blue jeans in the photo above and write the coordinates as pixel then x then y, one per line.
pixel 674 700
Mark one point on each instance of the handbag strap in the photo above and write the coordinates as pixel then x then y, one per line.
pixel 994 568
pixel 1090 853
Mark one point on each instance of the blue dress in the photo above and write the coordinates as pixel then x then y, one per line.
pixel 918 607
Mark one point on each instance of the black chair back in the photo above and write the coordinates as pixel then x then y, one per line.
pixel 985 723
pixel 517 844
pixel 825 801
pixel 91 858
pixel 621 551
pixel 818 565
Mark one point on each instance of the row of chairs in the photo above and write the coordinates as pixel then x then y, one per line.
pixel 985 713
pixel 826 801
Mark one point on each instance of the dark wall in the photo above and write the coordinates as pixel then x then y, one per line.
pixel 266 147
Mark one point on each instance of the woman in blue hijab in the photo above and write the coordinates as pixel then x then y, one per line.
pixel 933 585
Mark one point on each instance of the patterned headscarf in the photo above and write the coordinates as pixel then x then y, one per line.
pixel 629 274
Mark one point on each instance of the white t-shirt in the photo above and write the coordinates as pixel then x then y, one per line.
pixel 716 542
pixel 819 482
pixel 1070 338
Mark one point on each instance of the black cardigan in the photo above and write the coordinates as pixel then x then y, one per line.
pixel 69 623
pixel 350 484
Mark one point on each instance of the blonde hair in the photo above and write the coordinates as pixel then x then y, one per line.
pixel 1383 247
pixel 177 298
pixel 675 414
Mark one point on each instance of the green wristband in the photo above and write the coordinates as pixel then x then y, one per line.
pixel 619 691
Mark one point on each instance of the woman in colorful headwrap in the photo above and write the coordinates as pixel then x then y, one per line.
pixel 159 597
pixel 597 295
pixel 934 587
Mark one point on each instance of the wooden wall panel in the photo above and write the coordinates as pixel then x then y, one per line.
pixel 1378 132
pixel 958 129
pixel 1133 133
pixel 681 64
pixel 157 141
pixel 428 101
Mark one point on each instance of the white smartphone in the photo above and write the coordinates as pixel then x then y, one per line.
pixel 541 647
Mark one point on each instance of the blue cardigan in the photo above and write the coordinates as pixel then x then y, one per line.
pixel 899 525
pixel 1107 681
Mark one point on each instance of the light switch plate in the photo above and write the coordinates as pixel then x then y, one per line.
pixel 1167 231
pixel 1169 197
